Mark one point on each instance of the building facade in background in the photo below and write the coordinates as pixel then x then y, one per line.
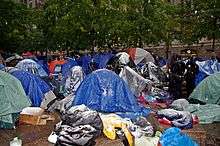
pixel 32 3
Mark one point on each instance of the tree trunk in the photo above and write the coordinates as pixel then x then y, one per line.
pixel 213 35
pixel 167 50
pixel 213 43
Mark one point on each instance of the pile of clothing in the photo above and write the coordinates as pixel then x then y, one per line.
pixel 80 126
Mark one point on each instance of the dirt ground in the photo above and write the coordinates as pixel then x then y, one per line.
pixel 37 135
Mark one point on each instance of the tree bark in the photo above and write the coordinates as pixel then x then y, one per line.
pixel 167 50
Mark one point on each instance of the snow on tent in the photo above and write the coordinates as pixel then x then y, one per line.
pixel 105 91
pixel 35 88
pixel 12 100
pixel 208 91
pixel 139 55
pixel 32 67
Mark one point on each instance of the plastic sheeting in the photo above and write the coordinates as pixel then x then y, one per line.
pixel 124 58
pixel 105 91
pixel 84 62
pixel 139 55
pixel 74 79
pixel 154 73
pixel 69 63
pixel 102 59
pixel 209 67
pixel 206 68
pixel 207 113
pixel 174 137
pixel 135 82
pixel 208 91
pixel 44 65
pixel 32 67
pixel 35 88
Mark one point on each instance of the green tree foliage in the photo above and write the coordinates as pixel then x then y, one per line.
pixel 84 24
pixel 208 16
pixel 18 27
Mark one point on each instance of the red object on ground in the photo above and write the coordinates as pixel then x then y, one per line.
pixel 195 119
pixel 165 121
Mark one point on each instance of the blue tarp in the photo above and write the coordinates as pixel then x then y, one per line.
pixel 105 91
pixel 34 86
pixel 206 68
pixel 199 77
pixel 2 67
pixel 162 62
pixel 102 59
pixel 44 65
pixel 70 62
pixel 84 61
pixel 31 66
pixel 174 137
pixel 209 67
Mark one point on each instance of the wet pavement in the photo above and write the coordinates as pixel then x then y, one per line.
pixel 37 135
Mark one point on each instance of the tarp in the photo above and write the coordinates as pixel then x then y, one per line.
pixel 105 91
pixel 139 55
pixel 74 79
pixel 124 58
pixel 135 82
pixel 67 66
pixel 2 66
pixel 174 137
pixel 34 87
pixel 84 61
pixel 44 65
pixel 31 66
pixel 12 99
pixel 208 91
pixel 209 67
pixel 102 59
pixel 15 57
pixel 207 113
pixel 154 73
pixel 206 68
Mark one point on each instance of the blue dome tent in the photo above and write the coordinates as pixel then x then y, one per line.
pixel 102 59
pixel 105 91
pixel 31 66
pixel 66 68
pixel 35 88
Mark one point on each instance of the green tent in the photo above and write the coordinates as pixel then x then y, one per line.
pixel 208 91
pixel 12 100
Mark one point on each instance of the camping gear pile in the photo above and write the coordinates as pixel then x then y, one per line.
pixel 112 94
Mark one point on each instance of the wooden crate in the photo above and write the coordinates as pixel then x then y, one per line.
pixel 35 120
pixel 31 119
